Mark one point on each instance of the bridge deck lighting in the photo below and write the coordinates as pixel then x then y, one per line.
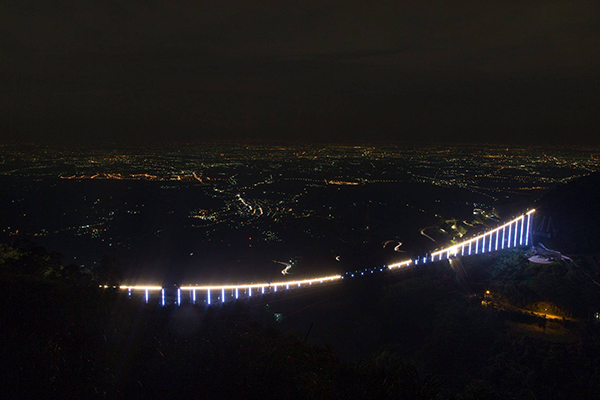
pixel 451 250
pixel 330 278
pixel 140 287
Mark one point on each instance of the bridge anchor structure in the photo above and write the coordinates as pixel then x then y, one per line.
pixel 513 234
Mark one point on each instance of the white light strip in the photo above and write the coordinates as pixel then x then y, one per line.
pixel 497 238
pixel 141 287
pixel 325 279
pixel 400 264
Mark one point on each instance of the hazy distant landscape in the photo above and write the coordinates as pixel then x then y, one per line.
pixel 223 213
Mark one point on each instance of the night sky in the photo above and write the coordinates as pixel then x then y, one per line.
pixel 93 71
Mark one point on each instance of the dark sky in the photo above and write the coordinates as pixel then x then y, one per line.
pixel 326 70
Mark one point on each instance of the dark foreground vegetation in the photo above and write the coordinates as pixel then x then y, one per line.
pixel 414 335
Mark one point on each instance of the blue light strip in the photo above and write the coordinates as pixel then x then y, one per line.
pixel 522 226
pixel 527 233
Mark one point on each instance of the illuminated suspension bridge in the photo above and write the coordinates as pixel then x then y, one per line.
pixel 515 233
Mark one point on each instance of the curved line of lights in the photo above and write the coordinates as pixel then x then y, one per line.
pixel 322 279
pixel 453 249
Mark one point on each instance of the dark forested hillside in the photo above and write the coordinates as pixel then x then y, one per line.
pixel 575 212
